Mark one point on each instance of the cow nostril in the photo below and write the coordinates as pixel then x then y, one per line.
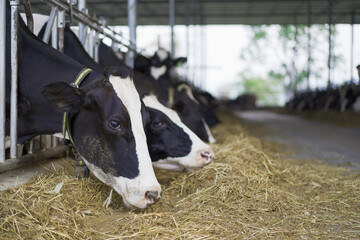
pixel 152 196
pixel 206 155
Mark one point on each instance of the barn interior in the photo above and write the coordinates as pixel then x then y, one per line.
pixel 288 170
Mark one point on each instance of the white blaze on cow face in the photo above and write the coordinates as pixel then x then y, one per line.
pixel 157 72
pixel 132 190
pixel 162 54
pixel 195 159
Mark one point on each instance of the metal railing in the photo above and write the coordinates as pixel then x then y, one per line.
pixel 90 29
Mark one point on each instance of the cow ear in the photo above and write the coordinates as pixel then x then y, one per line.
pixel 64 97
pixel 145 114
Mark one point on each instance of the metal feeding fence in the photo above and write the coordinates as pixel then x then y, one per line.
pixel 90 30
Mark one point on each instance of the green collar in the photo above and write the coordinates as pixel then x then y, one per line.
pixel 66 125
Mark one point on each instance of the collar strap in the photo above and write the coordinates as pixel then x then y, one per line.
pixel 66 124
pixel 170 97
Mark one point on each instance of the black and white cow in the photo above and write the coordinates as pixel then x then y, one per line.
pixel 105 115
pixel 161 67
pixel 172 145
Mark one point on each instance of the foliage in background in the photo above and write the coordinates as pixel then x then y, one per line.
pixel 289 58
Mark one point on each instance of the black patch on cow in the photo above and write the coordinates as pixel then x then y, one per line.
pixel 191 114
pixel 119 71
pixel 165 138
pixel 111 149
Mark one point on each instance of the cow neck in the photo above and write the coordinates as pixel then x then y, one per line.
pixel 76 84
pixel 40 65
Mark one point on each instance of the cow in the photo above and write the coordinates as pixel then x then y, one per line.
pixel 168 139
pixel 105 116
pixel 176 96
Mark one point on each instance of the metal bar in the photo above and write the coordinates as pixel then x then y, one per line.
pixel 132 29
pixel 93 23
pixel 187 20
pixel 61 29
pixel 330 41
pixel 2 78
pixel 96 47
pixel 29 16
pixel 91 43
pixel 352 47
pixel 14 77
pixel 172 23
pixel 49 25
pixel 54 44
pixel 54 30
pixel 59 151
pixel 82 27
pixel 309 46
pixel 295 50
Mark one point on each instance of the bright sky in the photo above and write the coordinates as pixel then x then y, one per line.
pixel 218 68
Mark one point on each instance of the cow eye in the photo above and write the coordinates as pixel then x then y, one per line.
pixel 115 125
pixel 158 124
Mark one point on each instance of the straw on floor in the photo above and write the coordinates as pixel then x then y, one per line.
pixel 245 194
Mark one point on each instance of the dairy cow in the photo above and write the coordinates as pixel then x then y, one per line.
pixel 172 145
pixel 104 115
pixel 154 73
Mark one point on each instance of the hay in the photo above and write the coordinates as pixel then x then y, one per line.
pixel 245 194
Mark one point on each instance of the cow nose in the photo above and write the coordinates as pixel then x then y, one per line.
pixel 208 155
pixel 152 197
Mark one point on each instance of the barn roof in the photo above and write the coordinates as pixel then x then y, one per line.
pixel 253 12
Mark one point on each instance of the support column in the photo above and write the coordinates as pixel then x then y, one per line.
pixel 2 78
pixel 187 12
pixel 330 42
pixel 132 29
pixel 295 49
pixel 172 23
pixel 352 47
pixel 309 45
pixel 14 77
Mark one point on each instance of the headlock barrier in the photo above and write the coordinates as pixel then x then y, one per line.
pixel 90 30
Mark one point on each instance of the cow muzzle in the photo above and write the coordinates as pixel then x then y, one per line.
pixel 144 200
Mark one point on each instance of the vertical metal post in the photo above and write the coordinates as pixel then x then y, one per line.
pixel 308 45
pixel 54 43
pixel 295 49
pixel 132 29
pixel 2 78
pixel 172 23
pixel 90 47
pixel 61 29
pixel 49 25
pixel 330 42
pixel 187 22
pixel 54 30
pixel 14 77
pixel 96 46
pixel 82 27
pixel 352 47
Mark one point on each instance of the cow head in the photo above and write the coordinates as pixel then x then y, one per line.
pixel 162 63
pixel 172 145
pixel 107 129
pixel 191 112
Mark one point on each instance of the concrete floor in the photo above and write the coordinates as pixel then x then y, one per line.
pixel 306 139
pixel 24 174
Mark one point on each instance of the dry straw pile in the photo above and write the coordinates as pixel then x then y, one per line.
pixel 245 194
